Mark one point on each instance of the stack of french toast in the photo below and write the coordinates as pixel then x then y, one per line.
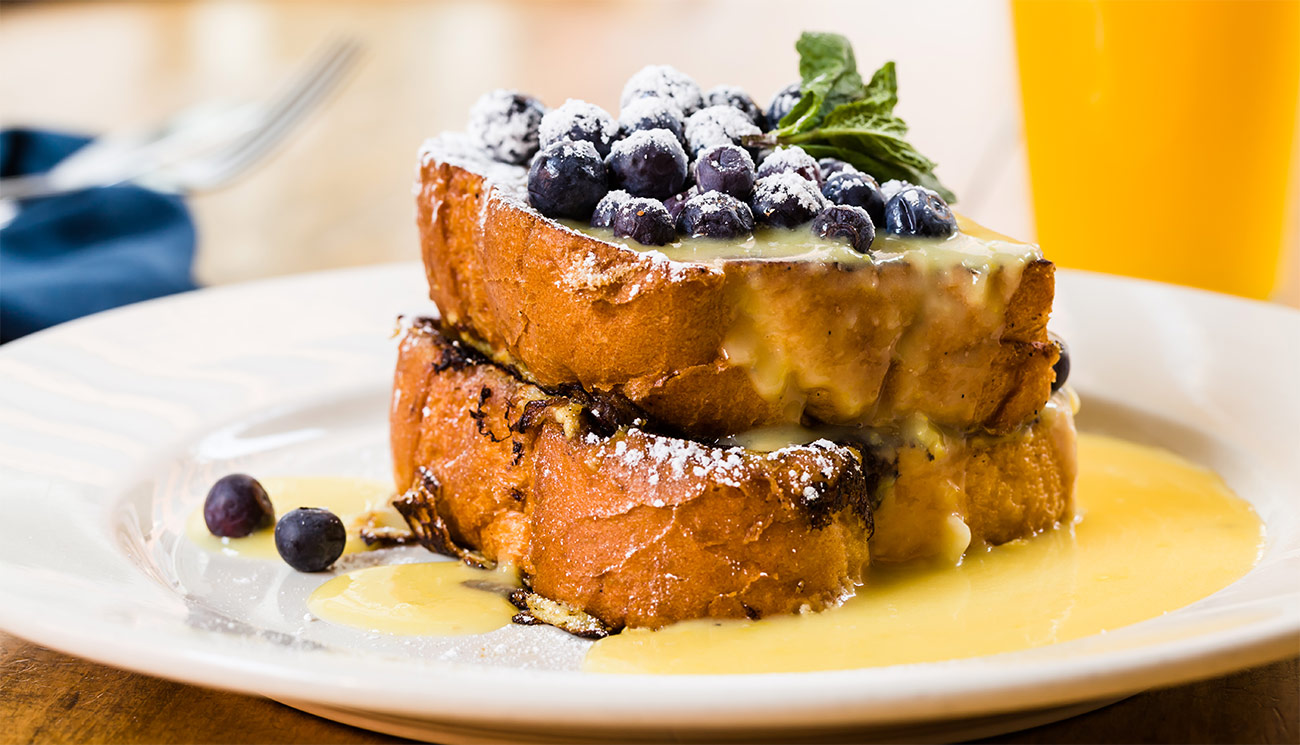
pixel 698 374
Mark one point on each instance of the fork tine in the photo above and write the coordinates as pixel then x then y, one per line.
pixel 303 95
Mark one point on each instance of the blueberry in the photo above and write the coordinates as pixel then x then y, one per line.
pixel 782 102
pixel 645 221
pixel 649 163
pixel 725 168
pixel 567 179
pixel 717 125
pixel 792 159
pixel 857 189
pixel 667 82
pixel 236 506
pixel 736 98
pixel 830 166
pixel 310 539
pixel 848 222
pixel 674 203
pixel 603 216
pixel 1062 366
pixel 713 214
pixel 578 120
pixel 919 212
pixel 504 124
pixel 786 200
pixel 652 113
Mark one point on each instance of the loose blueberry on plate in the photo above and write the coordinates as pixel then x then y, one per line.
pixel 652 113
pixel 310 539
pixel 236 506
pixel 649 163
pixel 849 222
pixel 1062 366
pixel 781 103
pixel 794 160
pixel 857 189
pixel 725 168
pixel 645 221
pixel 717 125
pixel 786 200
pixel 674 203
pixel 713 214
pixel 919 212
pixel 567 179
pixel 504 124
pixel 578 121
pixel 736 98
pixel 603 216
pixel 831 166
pixel 667 82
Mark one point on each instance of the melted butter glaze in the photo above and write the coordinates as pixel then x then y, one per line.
pixel 355 501
pixel 1153 534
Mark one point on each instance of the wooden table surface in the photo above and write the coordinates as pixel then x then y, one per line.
pixel 339 195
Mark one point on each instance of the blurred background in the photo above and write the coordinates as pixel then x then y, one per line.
pixel 1139 121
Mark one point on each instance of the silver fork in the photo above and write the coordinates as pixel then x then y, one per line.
pixel 207 153
pixel 228 163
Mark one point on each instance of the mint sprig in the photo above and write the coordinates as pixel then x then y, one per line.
pixel 839 117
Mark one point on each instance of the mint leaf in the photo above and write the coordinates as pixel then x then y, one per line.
pixel 829 78
pixel 839 117
pixel 882 91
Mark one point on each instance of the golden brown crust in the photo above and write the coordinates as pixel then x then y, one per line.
pixel 862 345
pixel 636 529
pixel 644 530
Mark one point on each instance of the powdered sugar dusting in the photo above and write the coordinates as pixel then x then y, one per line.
pixel 577 119
pixel 729 466
pixel 503 123
pixel 660 139
pixel 787 159
pixel 717 125
pixel 458 149
pixel 666 82
pixel 790 185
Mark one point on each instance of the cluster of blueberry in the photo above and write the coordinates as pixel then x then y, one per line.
pixel 675 163
pixel 309 539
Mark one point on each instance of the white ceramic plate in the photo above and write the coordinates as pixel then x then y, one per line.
pixel 112 427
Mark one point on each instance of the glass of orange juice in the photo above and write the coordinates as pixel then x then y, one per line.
pixel 1160 135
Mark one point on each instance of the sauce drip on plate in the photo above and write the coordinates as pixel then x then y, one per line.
pixel 441 598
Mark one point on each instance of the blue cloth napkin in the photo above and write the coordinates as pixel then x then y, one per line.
pixel 67 256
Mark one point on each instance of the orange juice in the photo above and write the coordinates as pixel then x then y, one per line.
pixel 1160 135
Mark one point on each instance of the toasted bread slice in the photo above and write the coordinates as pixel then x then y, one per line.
pixel 640 529
pixel 710 348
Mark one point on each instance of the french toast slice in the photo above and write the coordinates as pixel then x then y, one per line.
pixel 715 348
pixel 640 529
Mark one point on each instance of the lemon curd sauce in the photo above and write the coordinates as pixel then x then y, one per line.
pixel 972 246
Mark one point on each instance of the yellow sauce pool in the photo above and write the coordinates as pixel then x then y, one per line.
pixel 432 599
